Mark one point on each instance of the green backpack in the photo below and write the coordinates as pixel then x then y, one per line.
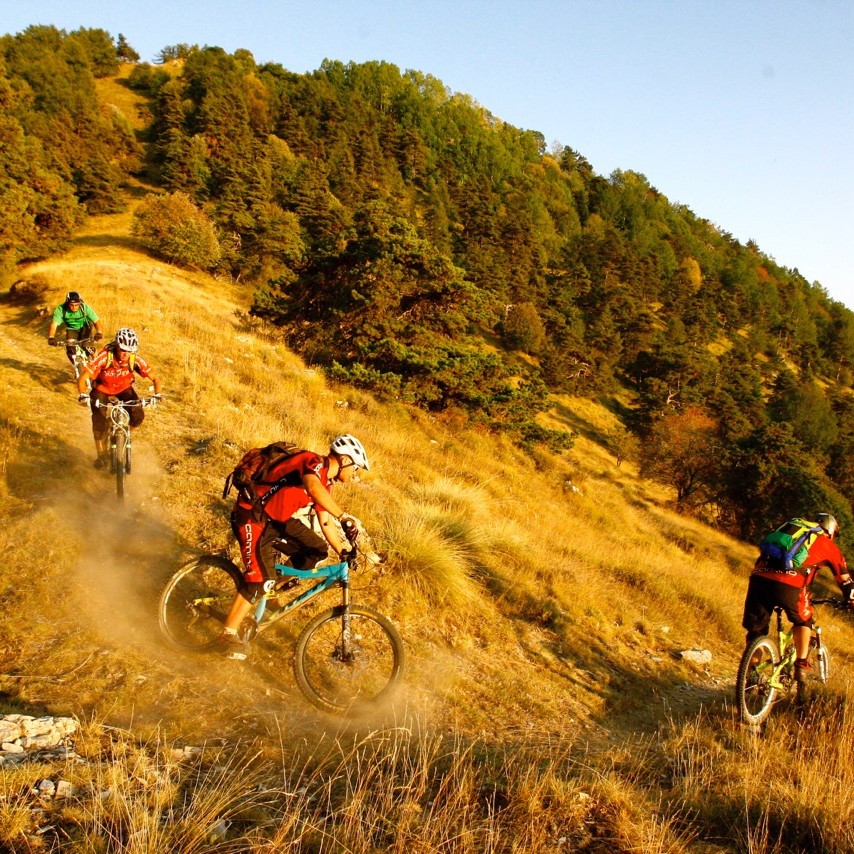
pixel 787 547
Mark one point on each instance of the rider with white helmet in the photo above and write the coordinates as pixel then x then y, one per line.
pixel 274 509
pixel 112 374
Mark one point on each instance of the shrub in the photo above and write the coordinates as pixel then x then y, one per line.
pixel 173 228
pixel 523 329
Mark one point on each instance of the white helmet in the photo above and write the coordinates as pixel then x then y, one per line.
pixel 829 523
pixel 350 446
pixel 127 340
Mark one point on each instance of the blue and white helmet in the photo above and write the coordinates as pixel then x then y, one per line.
pixel 350 446
pixel 126 339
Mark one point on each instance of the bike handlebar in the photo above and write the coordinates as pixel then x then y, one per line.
pixel 142 401
pixel 833 601
pixel 73 342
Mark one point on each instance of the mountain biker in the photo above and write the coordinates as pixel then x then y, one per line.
pixel 297 482
pixel 79 321
pixel 112 375
pixel 789 588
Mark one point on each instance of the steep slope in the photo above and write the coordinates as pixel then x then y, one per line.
pixel 543 600
pixel 506 627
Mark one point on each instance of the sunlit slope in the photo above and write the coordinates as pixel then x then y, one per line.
pixel 532 591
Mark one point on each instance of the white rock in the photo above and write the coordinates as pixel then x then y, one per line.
pixel 64 789
pixel 697 656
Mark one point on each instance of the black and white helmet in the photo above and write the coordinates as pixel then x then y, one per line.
pixel 829 523
pixel 350 446
pixel 73 296
pixel 126 339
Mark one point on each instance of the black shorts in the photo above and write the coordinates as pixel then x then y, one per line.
pixel 99 413
pixel 763 594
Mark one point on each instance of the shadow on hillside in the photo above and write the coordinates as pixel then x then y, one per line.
pixel 140 189
pixel 105 240
pixel 584 428
pixel 11 704
pixel 638 694
pixel 47 376
pixel 580 425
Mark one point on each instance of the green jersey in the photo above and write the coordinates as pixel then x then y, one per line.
pixel 74 319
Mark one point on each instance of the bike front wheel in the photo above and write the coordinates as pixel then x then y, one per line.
pixel 754 693
pixel 120 458
pixel 348 658
pixel 80 364
pixel 196 601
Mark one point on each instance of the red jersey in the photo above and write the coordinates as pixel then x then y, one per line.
pixel 111 377
pixel 823 552
pixel 287 494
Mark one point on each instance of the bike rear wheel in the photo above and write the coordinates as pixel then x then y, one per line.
pixel 820 660
pixel 754 693
pixel 196 601
pixel 342 671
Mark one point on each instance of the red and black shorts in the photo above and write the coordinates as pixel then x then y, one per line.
pixel 303 548
pixel 763 594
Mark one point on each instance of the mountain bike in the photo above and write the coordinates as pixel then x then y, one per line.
pixel 81 355
pixel 346 658
pixel 119 436
pixel 766 672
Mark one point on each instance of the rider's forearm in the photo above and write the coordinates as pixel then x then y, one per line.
pixel 321 497
pixel 330 531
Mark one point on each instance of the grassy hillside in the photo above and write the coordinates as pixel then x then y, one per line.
pixel 543 600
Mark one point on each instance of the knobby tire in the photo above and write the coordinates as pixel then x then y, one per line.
pixel 820 660
pixel 753 693
pixel 121 464
pixel 196 601
pixel 335 680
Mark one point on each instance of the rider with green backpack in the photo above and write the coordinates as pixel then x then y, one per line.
pixel 79 320
pixel 789 559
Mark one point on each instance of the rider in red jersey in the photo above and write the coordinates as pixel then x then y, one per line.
pixel 302 480
pixel 789 588
pixel 112 374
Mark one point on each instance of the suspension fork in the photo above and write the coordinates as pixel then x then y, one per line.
pixel 345 619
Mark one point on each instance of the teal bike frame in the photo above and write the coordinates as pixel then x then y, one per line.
pixel 326 577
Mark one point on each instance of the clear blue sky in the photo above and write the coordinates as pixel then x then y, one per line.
pixel 740 109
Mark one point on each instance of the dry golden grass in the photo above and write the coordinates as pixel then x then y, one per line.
pixel 542 601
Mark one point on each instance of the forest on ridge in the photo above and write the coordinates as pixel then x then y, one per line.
pixel 411 243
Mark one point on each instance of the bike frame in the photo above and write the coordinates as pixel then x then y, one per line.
pixel 785 643
pixel 785 640
pixel 81 353
pixel 118 416
pixel 119 419
pixel 327 576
